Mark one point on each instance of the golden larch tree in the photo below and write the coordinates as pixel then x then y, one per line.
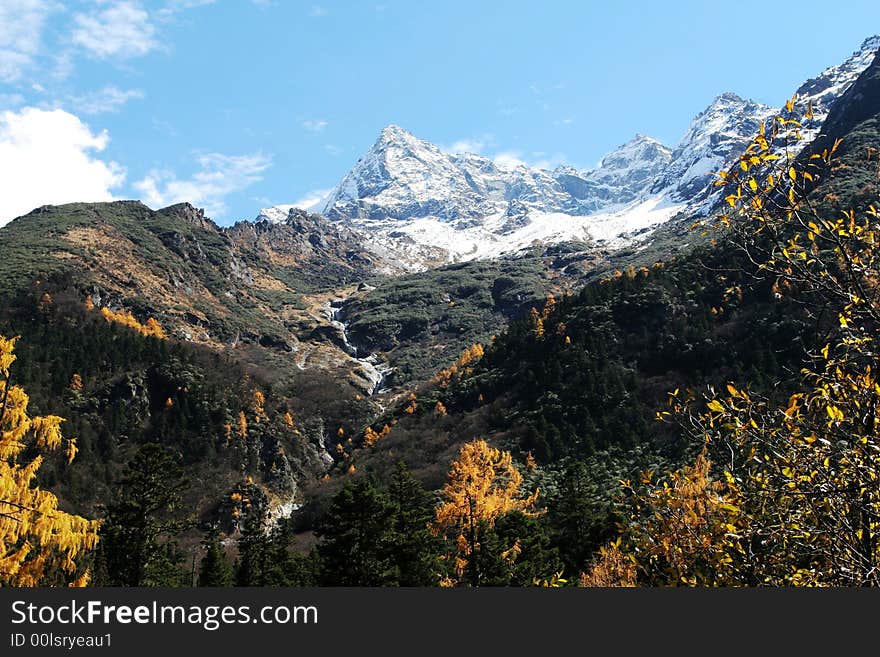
pixel 37 539
pixel 483 484
pixel 242 425
pixel 258 404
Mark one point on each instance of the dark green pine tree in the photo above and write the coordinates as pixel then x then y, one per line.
pixel 253 550
pixel 415 549
pixel 267 556
pixel 286 566
pixel 357 537
pixel 215 569
pixel 138 533
pixel 579 521
pixel 517 551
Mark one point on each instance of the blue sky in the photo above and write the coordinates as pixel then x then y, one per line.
pixel 239 104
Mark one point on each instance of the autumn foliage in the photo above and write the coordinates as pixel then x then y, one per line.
pixel 151 327
pixel 371 436
pixel 482 485
pixel 461 367
pixel 797 500
pixel 38 541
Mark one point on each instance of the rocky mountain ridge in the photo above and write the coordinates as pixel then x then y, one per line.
pixel 421 206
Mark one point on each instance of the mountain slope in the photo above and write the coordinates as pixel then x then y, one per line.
pixel 243 311
pixel 588 373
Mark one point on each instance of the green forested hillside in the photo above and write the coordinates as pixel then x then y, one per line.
pixel 577 385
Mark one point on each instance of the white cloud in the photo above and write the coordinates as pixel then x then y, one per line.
pixel 313 200
pixel 333 149
pixel 172 7
pixel 218 176
pixel 46 158
pixel 12 65
pixel 314 125
pixel 465 146
pixel 509 160
pixel 180 5
pixel 21 28
pixel 62 67
pixel 121 30
pixel 538 160
pixel 106 99
pixel 317 11
pixel 470 144
pixel 541 160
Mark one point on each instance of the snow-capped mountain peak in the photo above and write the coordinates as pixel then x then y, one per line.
pixel 416 199
pixel 714 137
pixel 402 177
pixel 830 84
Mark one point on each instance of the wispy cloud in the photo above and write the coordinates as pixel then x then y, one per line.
pixel 106 99
pixel 48 157
pixel 11 100
pixel 313 200
pixel 509 159
pixel 314 125
pixel 121 30
pixel 535 160
pixel 165 127
pixel 317 11
pixel 465 146
pixel 469 144
pixel 332 149
pixel 180 5
pixel 62 65
pixel 21 29
pixel 173 7
pixel 218 176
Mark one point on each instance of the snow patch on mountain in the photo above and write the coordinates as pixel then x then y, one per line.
pixel 489 239
pixel 421 206
pixel 831 83
pixel 277 214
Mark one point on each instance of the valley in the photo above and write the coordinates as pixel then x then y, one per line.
pixel 434 299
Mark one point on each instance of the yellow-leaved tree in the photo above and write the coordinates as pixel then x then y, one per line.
pixel 798 500
pixel 482 485
pixel 679 532
pixel 37 539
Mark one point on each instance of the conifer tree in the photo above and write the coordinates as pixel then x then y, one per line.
pixel 142 521
pixel 357 538
pixel 215 569
pixel 483 485
pixel 415 550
